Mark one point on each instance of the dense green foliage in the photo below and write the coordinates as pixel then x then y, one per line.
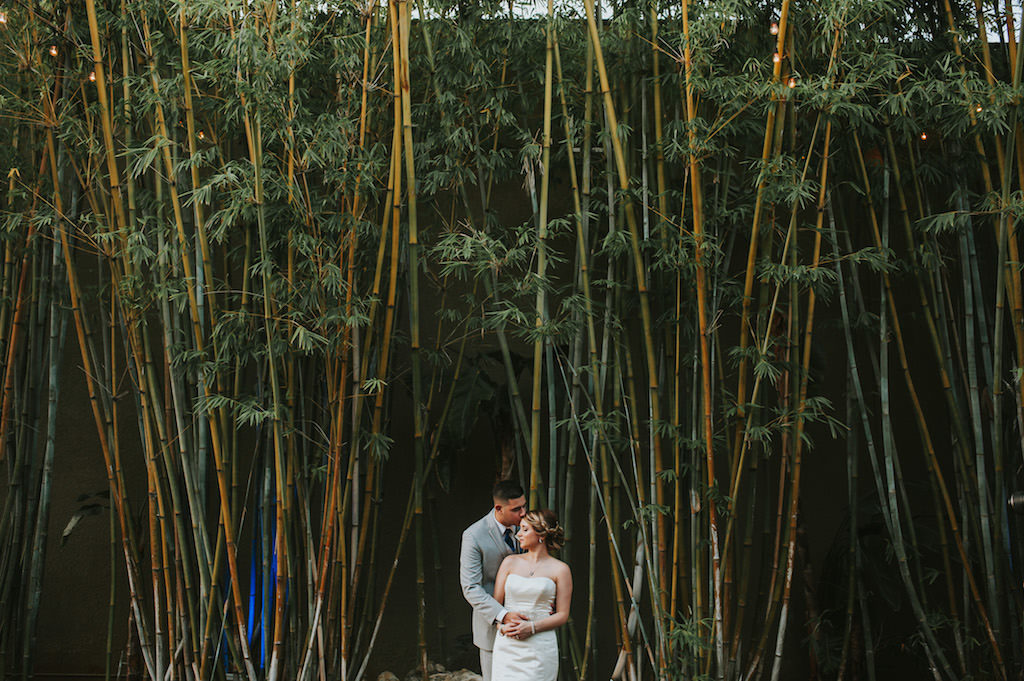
pixel 665 254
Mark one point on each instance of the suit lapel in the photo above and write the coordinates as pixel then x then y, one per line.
pixel 492 530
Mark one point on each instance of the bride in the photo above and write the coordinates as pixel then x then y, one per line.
pixel 539 586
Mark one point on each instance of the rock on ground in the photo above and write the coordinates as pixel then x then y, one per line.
pixel 461 675
pixel 436 672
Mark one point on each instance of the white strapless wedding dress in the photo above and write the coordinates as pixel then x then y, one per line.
pixel 534 658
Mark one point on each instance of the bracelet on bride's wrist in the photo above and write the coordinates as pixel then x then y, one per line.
pixel 533 628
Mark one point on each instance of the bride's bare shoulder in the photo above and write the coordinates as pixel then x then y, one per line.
pixel 562 568
pixel 509 560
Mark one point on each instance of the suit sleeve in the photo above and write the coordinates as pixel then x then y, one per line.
pixel 471 577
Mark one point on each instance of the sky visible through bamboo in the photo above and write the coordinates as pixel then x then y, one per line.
pixel 734 287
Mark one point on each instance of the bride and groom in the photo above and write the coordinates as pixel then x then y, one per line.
pixel 520 593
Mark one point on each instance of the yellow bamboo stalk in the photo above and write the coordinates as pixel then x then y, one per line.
pixel 664 576
pixel 746 331
pixel 389 315
pixel 697 200
pixel 653 389
pixel 105 114
pixel 403 84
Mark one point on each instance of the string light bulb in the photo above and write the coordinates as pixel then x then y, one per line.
pixel 924 136
pixel 978 109
pixel 775 28
pixel 92 76
pixel 202 135
pixel 53 50
pixel 3 17
pixel 776 58
pixel 792 83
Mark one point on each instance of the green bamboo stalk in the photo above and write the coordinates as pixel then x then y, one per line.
pixel 57 324
pixel 1012 277
pixel 597 391
pixel 975 413
pixel 853 520
pixel 954 408
pixel 858 397
pixel 603 465
pixel 541 276
pixel 17 331
pixel 887 489
pixel 926 436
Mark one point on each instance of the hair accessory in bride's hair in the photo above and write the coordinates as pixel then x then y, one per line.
pixel 545 523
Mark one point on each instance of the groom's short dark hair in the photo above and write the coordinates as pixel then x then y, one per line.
pixel 506 490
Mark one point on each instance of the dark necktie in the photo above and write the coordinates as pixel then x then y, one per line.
pixel 509 540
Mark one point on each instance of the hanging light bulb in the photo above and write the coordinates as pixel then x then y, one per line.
pixel 775 28
pixel 776 58
pixel 3 17
pixel 978 109
pixel 792 83
pixel 92 76
pixel 201 135
pixel 924 136
pixel 53 50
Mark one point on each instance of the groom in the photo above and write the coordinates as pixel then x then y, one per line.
pixel 485 544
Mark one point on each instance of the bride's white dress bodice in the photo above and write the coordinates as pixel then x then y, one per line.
pixel 534 658
pixel 531 596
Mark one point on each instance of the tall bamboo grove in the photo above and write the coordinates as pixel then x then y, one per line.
pixel 675 266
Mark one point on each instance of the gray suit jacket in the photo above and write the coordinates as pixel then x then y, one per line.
pixel 483 549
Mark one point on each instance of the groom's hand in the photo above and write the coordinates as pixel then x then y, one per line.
pixel 511 623
pixel 516 628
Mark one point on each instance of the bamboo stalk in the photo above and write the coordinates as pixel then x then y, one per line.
pixel 770 130
pixel 541 276
pixel 697 199
pixel 638 262
pixel 929 449
pixel 313 495
pixel 796 468
pixel 111 460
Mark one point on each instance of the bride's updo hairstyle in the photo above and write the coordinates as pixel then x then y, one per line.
pixel 545 524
